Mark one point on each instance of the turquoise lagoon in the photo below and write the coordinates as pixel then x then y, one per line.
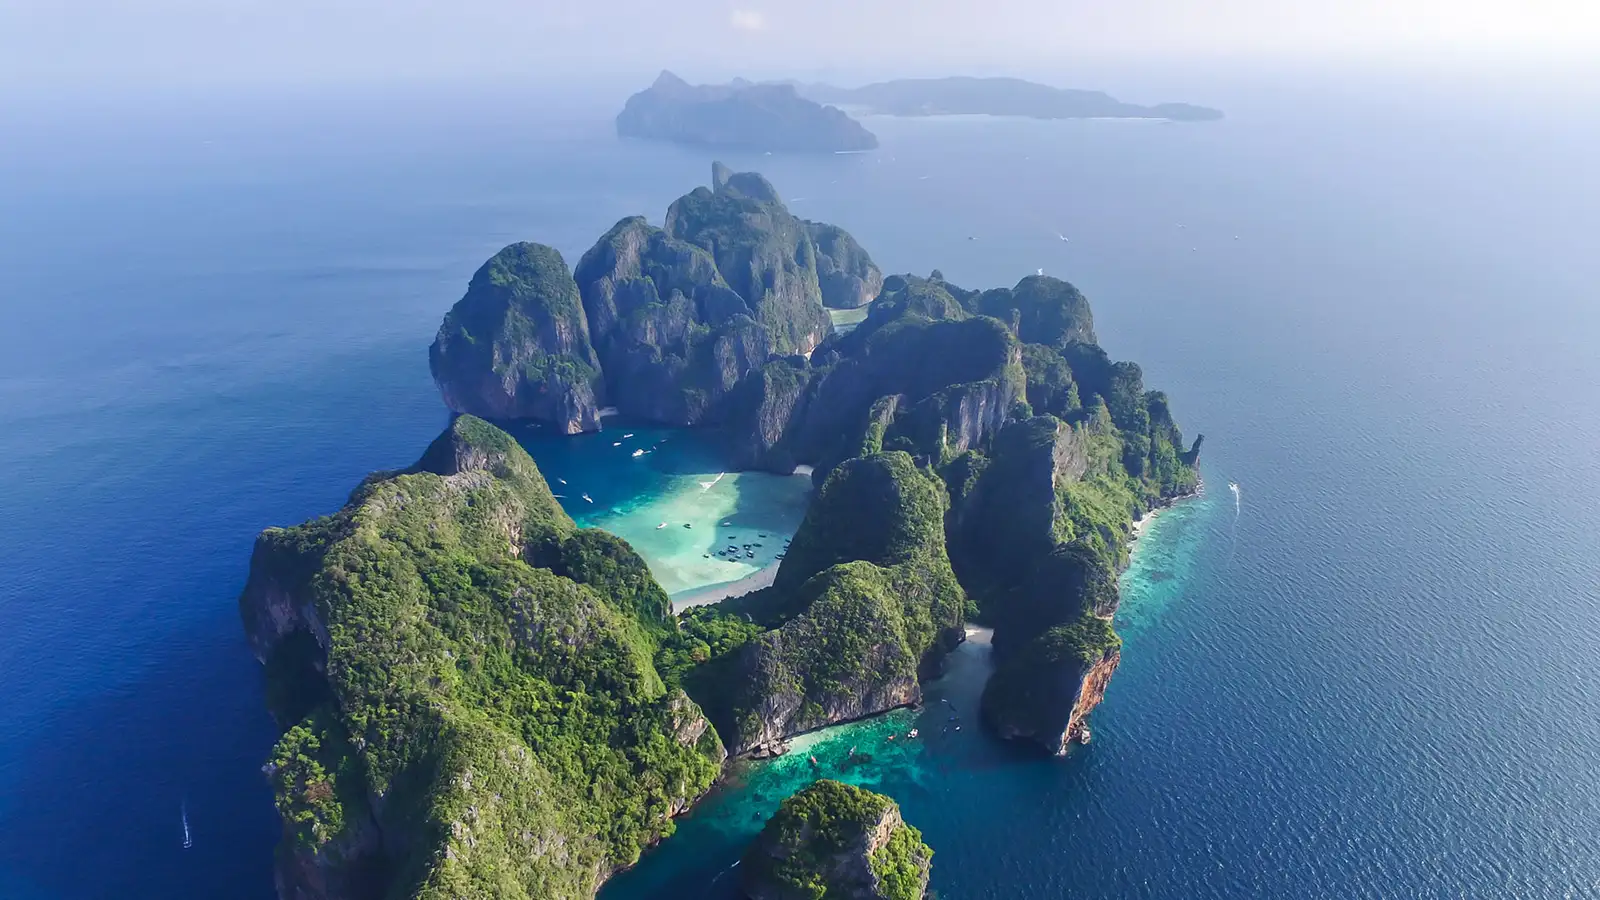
pixel 675 501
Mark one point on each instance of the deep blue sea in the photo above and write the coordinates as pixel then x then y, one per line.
pixel 1373 677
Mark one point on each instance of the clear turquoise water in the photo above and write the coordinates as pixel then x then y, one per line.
pixel 1376 682
pixel 941 777
pixel 680 480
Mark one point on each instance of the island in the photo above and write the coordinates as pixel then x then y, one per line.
pixel 995 97
pixel 739 115
pixel 835 840
pixel 478 698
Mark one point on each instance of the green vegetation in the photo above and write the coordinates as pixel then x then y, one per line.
pixel 864 601
pixel 517 343
pixel 505 722
pixel 833 840
pixel 901 865
pixel 764 252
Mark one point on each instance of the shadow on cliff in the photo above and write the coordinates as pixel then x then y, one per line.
pixel 99 809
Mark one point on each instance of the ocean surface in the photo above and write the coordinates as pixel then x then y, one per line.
pixel 1372 677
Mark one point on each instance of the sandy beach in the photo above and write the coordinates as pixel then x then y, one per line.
pixel 706 596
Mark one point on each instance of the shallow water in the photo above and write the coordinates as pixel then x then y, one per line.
pixel 680 480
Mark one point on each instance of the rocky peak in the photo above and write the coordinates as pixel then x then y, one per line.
pixel 667 81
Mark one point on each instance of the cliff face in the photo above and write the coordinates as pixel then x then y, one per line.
pixel 666 324
pixel 956 382
pixel 516 346
pixel 466 686
pixel 674 337
pixel 1045 694
pixel 837 841
pixel 765 254
pixel 847 275
pixel 740 115
pixel 864 602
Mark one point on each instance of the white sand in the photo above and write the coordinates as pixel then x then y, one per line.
pixel 761 578
pixel 686 560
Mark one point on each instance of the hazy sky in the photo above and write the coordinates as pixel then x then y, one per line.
pixel 313 40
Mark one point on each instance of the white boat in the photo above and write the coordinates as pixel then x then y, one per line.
pixel 562 480
pixel 661 526
pixel 588 499
pixel 638 453
pixel 628 435
pixel 616 444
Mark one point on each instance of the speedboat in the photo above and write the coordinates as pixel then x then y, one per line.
pixel 588 499
pixel 638 453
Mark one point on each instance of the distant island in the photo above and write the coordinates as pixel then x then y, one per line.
pixel 739 115
pixel 478 698
pixel 995 97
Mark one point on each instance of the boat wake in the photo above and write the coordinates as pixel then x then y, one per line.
pixel 1233 533
pixel 188 839
pixel 708 485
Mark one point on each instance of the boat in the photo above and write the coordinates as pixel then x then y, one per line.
pixel 562 480
pixel 588 499
pixel 638 453
pixel 616 444
pixel 661 526
pixel 688 524
pixel 626 436
pixel 913 733
pixel 1083 736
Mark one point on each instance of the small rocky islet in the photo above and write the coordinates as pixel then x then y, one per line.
pixel 479 698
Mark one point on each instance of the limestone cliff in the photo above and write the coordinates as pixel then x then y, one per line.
pixel 863 604
pixel 1045 693
pixel 675 339
pixel 516 346
pixel 847 275
pixel 466 686
pixel 837 841
pixel 765 254
pixel 1042 534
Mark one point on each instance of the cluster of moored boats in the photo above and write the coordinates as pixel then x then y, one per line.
pixel 735 551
